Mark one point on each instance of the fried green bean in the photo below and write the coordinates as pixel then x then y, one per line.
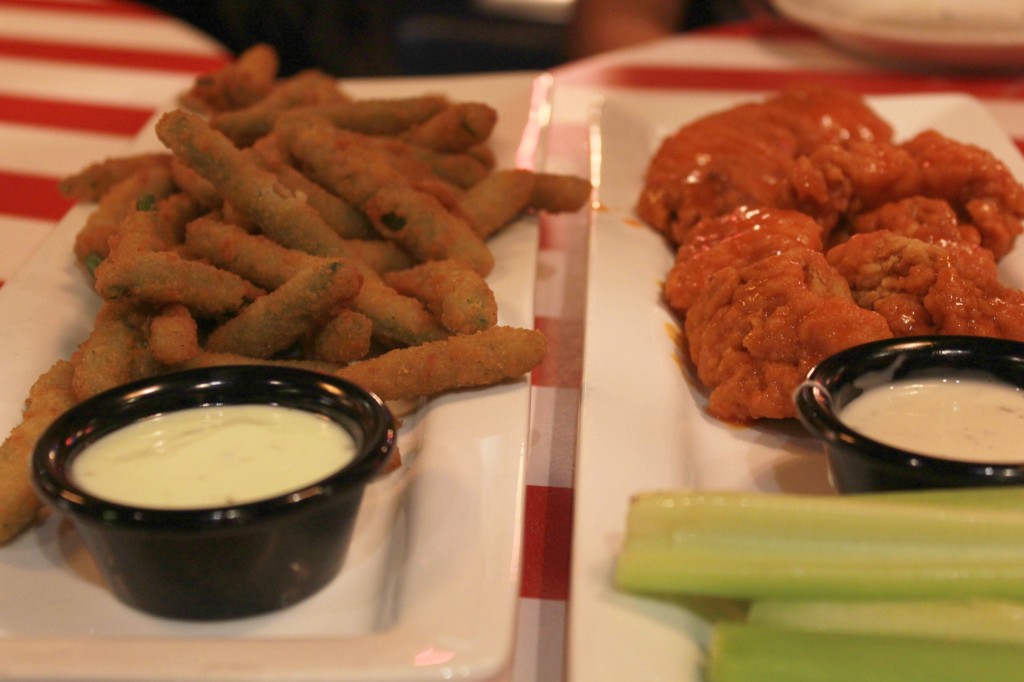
pixel 496 200
pixel 282 214
pixel 49 397
pixel 252 256
pixel 344 338
pixel 362 175
pixel 173 335
pixel 96 179
pixel 557 193
pixel 425 228
pixel 276 321
pixel 193 184
pixel 92 243
pixel 456 128
pixel 244 126
pixel 397 320
pixel 210 359
pixel 240 83
pixel 456 295
pixel 163 277
pixel 481 359
pixel 379 116
pixel 115 351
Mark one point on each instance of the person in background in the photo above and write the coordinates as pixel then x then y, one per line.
pixel 601 25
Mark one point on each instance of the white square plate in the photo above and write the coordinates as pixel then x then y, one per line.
pixel 430 587
pixel 643 427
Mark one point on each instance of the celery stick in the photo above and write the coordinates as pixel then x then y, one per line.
pixel 759 546
pixel 750 653
pixel 996 621
pixel 1010 497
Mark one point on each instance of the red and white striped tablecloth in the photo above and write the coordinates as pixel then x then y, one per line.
pixel 78 79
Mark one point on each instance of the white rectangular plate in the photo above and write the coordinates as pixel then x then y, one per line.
pixel 643 427
pixel 430 587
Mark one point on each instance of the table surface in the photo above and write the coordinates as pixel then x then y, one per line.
pixel 78 79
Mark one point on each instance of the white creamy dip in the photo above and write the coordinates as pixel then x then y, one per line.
pixel 969 419
pixel 213 456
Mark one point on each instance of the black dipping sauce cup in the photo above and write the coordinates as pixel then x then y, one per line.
pixel 860 464
pixel 232 561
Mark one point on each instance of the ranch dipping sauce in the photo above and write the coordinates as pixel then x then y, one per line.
pixel 968 419
pixel 208 457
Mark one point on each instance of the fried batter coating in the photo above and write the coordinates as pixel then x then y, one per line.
pixel 50 396
pixel 240 83
pixel 344 338
pixel 462 361
pixel 735 239
pixel 755 331
pixel 736 158
pixel 930 220
pixel 922 288
pixel 93 240
pixel 96 179
pixel 741 157
pixel 397 320
pixel 276 321
pixel 115 352
pixel 978 186
pixel 243 126
pixel 839 181
pixel 456 295
pixel 173 335
pixel 456 128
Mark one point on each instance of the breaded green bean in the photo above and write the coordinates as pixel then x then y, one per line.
pixel 276 321
pixel 256 192
pixel 173 335
pixel 346 220
pixel 237 84
pixel 254 257
pixel 456 128
pixel 380 116
pixel 163 277
pixel 481 359
pixel 343 339
pixel 461 169
pixel 456 295
pixel 244 126
pixel 209 359
pixel 93 241
pixel 496 200
pixel 556 193
pixel 96 179
pixel 362 175
pixel 193 184
pixel 115 351
pixel 49 397
pixel 425 228
pixel 379 255
pixel 397 320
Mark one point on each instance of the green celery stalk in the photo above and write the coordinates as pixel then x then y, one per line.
pixel 1008 497
pixel 753 653
pixel 762 546
pixel 995 621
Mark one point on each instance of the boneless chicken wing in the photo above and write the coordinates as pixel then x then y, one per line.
pixel 927 288
pixel 741 157
pixel 838 182
pixel 755 331
pixel 924 218
pixel 978 186
pixel 735 239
